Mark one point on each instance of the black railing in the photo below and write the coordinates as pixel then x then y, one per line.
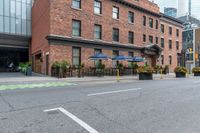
pixel 74 72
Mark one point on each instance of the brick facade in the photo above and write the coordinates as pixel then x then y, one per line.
pixel 53 17
pixel 174 38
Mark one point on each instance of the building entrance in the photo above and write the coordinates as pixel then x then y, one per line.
pixel 12 55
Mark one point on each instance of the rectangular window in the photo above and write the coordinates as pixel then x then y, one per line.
pixel 131 37
pixel 150 22
pixel 156 40
pixel 115 12
pixel 76 4
pixel 170 30
pixel 144 20
pixel 97 31
pixel 170 59
pixel 162 28
pixel 76 56
pixel 131 54
pixel 130 17
pixel 76 28
pixel 177 32
pixel 115 34
pixel 150 39
pixel 144 38
pixel 1 24
pixel 177 45
pixel 97 7
pixel 1 7
pixel 170 44
pixel 162 42
pixel 156 24
pixel 162 59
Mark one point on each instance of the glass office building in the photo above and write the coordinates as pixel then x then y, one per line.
pixel 15 32
pixel 15 17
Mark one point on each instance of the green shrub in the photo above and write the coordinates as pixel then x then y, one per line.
pixel 134 65
pixel 196 70
pixel 120 66
pixel 100 65
pixel 145 69
pixel 180 70
pixel 23 66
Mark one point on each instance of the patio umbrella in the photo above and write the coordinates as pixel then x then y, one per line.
pixel 99 57
pixel 136 59
pixel 121 58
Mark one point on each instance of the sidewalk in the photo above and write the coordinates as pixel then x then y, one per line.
pixel 6 78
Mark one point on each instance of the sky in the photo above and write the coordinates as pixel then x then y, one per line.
pixel 173 3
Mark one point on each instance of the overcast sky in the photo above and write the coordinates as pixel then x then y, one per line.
pixel 173 3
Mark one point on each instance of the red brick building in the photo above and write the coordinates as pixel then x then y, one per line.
pixel 170 41
pixel 74 30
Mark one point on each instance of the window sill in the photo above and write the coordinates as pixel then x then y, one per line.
pixel 96 14
pixel 117 19
pixel 115 42
pixel 78 9
pixel 77 37
pixel 131 23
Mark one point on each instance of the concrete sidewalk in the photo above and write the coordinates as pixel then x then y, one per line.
pixel 6 78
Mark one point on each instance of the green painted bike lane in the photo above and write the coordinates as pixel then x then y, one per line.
pixel 34 85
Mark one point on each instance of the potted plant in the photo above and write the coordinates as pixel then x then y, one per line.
pixel 56 69
pixel 180 72
pixel 64 65
pixel 157 69
pixel 26 68
pixel 196 71
pixel 145 73
pixel 166 69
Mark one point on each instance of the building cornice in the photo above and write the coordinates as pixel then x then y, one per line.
pixel 171 20
pixel 54 39
pixel 137 7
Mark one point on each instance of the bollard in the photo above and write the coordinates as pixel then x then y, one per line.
pixel 161 74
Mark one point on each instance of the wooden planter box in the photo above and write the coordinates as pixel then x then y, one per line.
pixel 196 74
pixel 180 75
pixel 145 76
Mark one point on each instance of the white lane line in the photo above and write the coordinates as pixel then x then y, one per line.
pixel 76 119
pixel 111 92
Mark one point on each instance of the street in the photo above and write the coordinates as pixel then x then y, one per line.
pixel 158 106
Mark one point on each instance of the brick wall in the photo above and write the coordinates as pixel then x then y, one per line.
pixel 173 52
pixel 62 14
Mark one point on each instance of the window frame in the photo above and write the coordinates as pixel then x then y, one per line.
pixel 79 56
pixel 115 13
pixel 144 20
pixel 96 7
pixel 100 31
pixel 131 17
pixel 79 29
pixel 79 2
pixel 150 37
pixel 151 22
pixel 115 30
pixel 131 38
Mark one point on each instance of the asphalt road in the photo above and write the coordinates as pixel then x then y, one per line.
pixel 161 106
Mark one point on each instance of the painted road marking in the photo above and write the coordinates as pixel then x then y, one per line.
pixel 76 119
pixel 111 92
pixel 35 85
